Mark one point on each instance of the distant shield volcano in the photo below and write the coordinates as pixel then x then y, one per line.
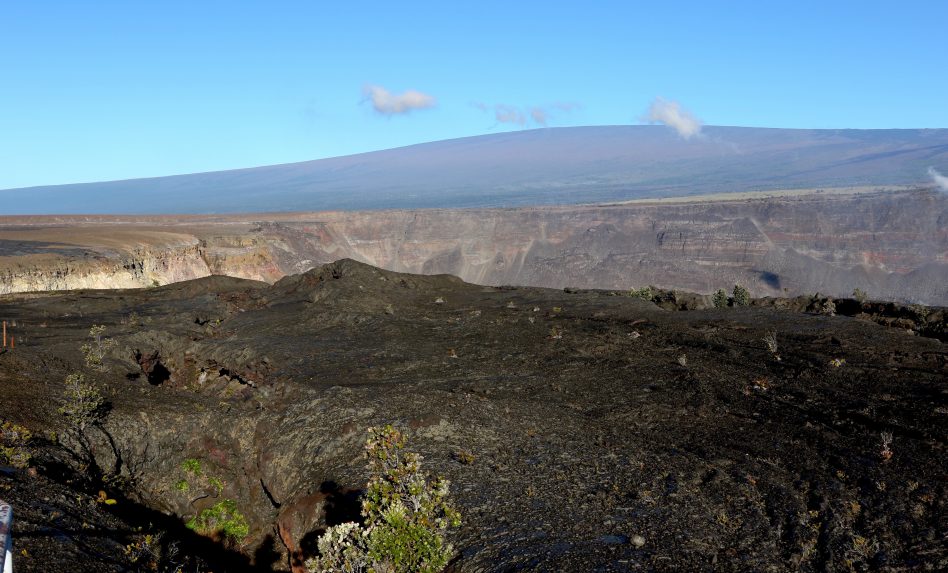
pixel 537 167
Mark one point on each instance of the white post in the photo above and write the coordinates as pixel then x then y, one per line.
pixel 6 538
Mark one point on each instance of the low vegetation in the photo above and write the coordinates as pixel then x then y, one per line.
pixel 741 296
pixel 644 293
pixel 14 445
pixel 83 404
pixel 192 466
pixel 770 341
pixel 222 519
pixel 149 552
pixel 406 515
pixel 95 350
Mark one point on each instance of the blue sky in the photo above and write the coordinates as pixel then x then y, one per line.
pixel 107 90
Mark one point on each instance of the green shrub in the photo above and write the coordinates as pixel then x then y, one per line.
pixel 742 296
pixel 83 405
pixel 719 298
pixel 920 311
pixel 192 466
pixel 406 516
pixel 14 448
pixel 223 518
pixel 217 484
pixel 342 548
pixel 860 295
pixel 95 350
pixel 644 293
pixel 198 479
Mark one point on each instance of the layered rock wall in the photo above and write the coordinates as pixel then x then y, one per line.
pixel 892 245
pixel 150 262
pixel 141 267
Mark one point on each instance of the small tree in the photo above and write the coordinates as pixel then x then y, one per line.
pixel 94 351
pixel 719 298
pixel 860 295
pixel 742 296
pixel 406 516
pixel 83 404
pixel 83 407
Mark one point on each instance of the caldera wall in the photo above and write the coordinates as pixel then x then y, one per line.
pixel 892 245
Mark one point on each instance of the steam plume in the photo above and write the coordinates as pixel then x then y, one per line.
pixel 671 113
pixel 387 103
pixel 940 180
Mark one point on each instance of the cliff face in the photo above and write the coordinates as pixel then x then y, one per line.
pixel 147 264
pixel 140 267
pixel 890 245
pixel 247 257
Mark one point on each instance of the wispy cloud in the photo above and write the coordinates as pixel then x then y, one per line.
pixel 509 114
pixel 940 180
pixel 387 103
pixel 671 113
pixel 540 115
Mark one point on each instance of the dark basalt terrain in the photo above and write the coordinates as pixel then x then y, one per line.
pixel 581 430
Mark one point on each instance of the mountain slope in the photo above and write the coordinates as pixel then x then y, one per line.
pixel 537 167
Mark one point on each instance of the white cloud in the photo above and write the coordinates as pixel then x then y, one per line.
pixel 940 180
pixel 509 114
pixel 671 113
pixel 387 103
pixel 539 114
